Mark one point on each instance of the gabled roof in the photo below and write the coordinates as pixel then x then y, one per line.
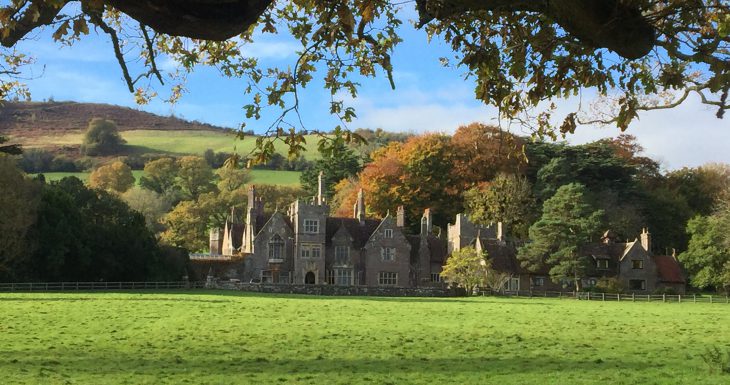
pixel 669 269
pixel 629 246
pixel 260 228
pixel 359 233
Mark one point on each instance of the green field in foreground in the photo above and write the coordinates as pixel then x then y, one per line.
pixel 223 338
pixel 287 178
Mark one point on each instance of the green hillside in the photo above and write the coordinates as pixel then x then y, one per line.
pixel 167 142
pixel 274 177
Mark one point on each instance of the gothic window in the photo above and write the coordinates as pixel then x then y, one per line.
pixel 387 253
pixel 637 264
pixel 342 255
pixel 341 277
pixel 311 226
pixel 276 247
pixel 388 233
pixel 435 277
pixel 602 263
pixel 309 250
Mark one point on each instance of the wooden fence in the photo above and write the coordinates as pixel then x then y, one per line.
pixel 616 297
pixel 85 286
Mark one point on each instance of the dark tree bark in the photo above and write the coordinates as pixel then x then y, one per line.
pixel 612 24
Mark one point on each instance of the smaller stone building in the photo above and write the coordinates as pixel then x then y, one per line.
pixel 631 264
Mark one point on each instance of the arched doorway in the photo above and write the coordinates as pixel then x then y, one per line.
pixel 309 278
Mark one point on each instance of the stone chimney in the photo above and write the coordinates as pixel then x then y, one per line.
pixel 216 241
pixel 252 211
pixel 426 222
pixel 646 240
pixel 320 188
pixel 359 208
pixel 400 219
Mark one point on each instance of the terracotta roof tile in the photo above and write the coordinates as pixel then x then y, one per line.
pixel 669 269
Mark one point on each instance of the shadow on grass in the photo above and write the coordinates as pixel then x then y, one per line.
pixel 135 149
pixel 140 294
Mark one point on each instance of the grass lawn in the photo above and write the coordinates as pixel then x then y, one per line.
pixel 276 177
pixel 224 338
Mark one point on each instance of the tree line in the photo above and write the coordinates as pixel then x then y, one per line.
pixel 535 187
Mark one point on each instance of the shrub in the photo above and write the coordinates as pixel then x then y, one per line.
pixel 101 138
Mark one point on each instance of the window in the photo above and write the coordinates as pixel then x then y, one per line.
pixel 592 282
pixel 512 284
pixel 435 277
pixel 310 250
pixel 538 281
pixel 386 278
pixel 341 277
pixel 602 263
pixel 311 226
pixel 637 284
pixel 388 233
pixel 267 276
pixel 276 247
pixel 387 253
pixel 284 278
pixel 342 255
pixel 637 264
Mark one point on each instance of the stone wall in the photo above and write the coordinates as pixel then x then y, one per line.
pixel 332 290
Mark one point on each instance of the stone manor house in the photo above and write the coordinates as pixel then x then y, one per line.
pixel 307 246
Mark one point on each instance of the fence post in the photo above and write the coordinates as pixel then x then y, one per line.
pixel 664 298
pixel 589 295
pixel 694 298
pixel 726 299
pixel 648 298
pixel 618 297
pixel 679 298
pixel 710 298
pixel 603 296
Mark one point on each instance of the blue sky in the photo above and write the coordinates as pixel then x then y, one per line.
pixel 428 97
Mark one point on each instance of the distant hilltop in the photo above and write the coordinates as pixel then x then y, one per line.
pixel 66 116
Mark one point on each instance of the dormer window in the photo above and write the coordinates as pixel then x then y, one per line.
pixel 637 264
pixel 311 226
pixel 388 233
pixel 602 263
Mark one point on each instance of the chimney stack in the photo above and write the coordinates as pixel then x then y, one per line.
pixel 320 188
pixel 646 240
pixel 400 219
pixel 426 222
pixel 359 209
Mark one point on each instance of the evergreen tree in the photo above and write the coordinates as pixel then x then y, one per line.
pixel 568 221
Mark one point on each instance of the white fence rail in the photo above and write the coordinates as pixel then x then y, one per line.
pixel 617 297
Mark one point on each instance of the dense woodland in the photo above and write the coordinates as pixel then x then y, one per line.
pixel 114 230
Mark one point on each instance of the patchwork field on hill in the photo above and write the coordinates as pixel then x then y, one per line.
pixel 165 142
pixel 229 337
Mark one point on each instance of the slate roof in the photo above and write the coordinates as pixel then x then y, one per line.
pixel 438 249
pixel 669 269
pixel 359 233
pixel 236 230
